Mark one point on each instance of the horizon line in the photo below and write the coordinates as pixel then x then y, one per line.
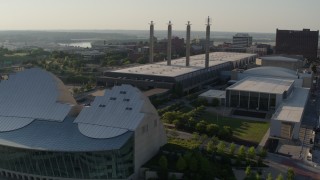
pixel 64 30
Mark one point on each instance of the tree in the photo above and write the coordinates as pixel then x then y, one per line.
pixel 201 127
pixel 262 153
pixel 212 129
pixel 204 165
pixel 241 152
pixel 279 177
pixel 181 164
pixel 232 148
pixel 163 162
pixel 193 164
pixel 269 177
pixel 258 176
pixel 178 124
pixel 290 174
pixel 251 153
pixel 221 147
pixel 210 147
pixel 225 132
pixel 248 171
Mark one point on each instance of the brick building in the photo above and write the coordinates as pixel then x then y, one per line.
pixel 293 42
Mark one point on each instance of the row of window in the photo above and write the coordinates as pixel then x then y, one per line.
pixel 114 164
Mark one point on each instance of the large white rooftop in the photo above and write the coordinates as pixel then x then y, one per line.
pixel 178 65
pixel 262 85
pixel 291 110
pixel 35 113
pixel 32 94
pixel 120 110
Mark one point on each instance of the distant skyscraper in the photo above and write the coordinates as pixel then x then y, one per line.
pixel 242 40
pixel 303 42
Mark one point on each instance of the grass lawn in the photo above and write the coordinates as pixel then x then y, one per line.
pixel 181 144
pixel 248 130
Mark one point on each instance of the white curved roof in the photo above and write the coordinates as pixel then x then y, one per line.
pixel 118 111
pixel 272 71
pixel 32 94
pixel 34 114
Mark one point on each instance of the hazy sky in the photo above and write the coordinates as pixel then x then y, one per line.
pixel 227 15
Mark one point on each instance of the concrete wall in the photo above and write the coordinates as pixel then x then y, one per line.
pixel 307 82
pixel 149 137
pixel 275 128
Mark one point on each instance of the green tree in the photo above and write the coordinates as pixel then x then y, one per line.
pixel 221 147
pixel 258 177
pixel 193 164
pixel 248 171
pixel 201 127
pixel 163 162
pixel 241 152
pixel 212 129
pixel 290 174
pixel 225 132
pixel 204 165
pixel 181 164
pixel 269 177
pixel 262 153
pixel 280 177
pixel 178 124
pixel 210 147
pixel 232 148
pixel 251 153
pixel 201 101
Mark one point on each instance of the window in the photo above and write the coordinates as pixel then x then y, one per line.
pixel 123 92
pixel 102 105
pixel 127 100
pixel 113 98
pixel 128 108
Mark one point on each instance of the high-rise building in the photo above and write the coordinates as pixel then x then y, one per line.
pixel 241 40
pixel 303 42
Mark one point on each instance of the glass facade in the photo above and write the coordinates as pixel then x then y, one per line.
pixel 234 98
pixel 251 100
pixel 113 164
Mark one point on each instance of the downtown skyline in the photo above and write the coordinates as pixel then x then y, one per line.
pixel 232 16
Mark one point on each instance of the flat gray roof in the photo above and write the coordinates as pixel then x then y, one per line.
pixel 178 65
pixel 279 58
pixel 214 94
pixel 291 109
pixel 263 85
